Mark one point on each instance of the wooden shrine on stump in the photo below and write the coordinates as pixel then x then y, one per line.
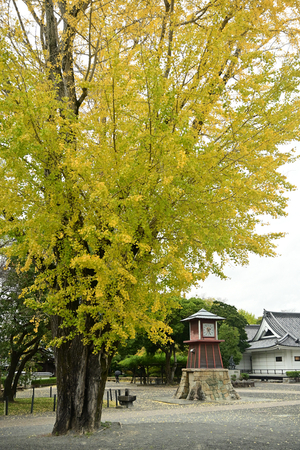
pixel 204 377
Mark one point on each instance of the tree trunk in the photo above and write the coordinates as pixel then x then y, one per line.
pixel 81 377
pixel 174 366
pixel 168 367
pixel 133 375
pixel 16 367
pixel 26 357
pixel 8 382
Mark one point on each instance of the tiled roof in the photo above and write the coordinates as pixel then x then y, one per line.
pixel 263 343
pixel 289 341
pixel 251 331
pixel 284 322
pixel 286 341
pixel 203 314
pixel 286 325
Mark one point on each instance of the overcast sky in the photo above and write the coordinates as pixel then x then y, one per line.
pixel 266 283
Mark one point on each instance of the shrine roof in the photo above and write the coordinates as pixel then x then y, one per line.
pixel 251 331
pixel 203 314
pixel 284 322
pixel 285 341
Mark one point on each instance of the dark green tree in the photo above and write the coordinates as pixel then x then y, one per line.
pixel 230 346
pixel 232 330
pixel 22 329
pixel 175 340
pixel 233 319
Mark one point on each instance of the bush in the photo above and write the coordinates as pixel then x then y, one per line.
pixel 25 379
pixel 233 377
pixel 244 376
pixel 44 381
pixel 294 374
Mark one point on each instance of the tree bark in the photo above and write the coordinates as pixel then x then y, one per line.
pixel 168 370
pixel 15 370
pixel 81 376
pixel 25 359
pixel 173 370
pixel 8 382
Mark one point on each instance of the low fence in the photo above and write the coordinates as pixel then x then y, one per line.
pixel 6 402
pixel 145 380
pixel 110 395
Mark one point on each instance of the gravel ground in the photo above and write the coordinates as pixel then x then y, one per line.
pixel 266 417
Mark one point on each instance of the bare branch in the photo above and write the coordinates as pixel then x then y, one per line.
pixel 26 40
pixel 171 33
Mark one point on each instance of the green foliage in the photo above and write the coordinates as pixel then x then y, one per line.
pixel 233 319
pixel 44 381
pixel 25 378
pixel 295 374
pixel 251 319
pixel 156 360
pixel 244 376
pixel 230 346
pixel 141 146
pixel 23 331
pixel 164 173
pixel 230 329
pixel 179 331
pixel 19 324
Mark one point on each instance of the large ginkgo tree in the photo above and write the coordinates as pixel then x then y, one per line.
pixel 140 143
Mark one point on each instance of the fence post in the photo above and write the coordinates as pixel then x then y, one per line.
pixel 116 395
pixel 126 391
pixel 50 391
pixel 32 402
pixel 6 406
pixel 110 393
pixel 107 394
pixel 54 402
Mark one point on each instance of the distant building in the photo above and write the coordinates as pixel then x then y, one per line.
pixel 274 345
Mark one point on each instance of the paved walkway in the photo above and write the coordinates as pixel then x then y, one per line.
pixel 266 417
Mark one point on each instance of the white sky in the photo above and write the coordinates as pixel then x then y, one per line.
pixel 266 283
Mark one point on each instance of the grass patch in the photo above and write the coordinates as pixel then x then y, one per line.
pixel 105 424
pixel 23 406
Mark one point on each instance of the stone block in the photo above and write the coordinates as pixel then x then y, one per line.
pixel 206 385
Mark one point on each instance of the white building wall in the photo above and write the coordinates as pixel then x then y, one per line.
pixel 289 359
pixel 266 360
pixel 245 363
pixel 295 365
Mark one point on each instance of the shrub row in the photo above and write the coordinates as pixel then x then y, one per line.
pixel 243 376
pixel 44 381
pixel 294 374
